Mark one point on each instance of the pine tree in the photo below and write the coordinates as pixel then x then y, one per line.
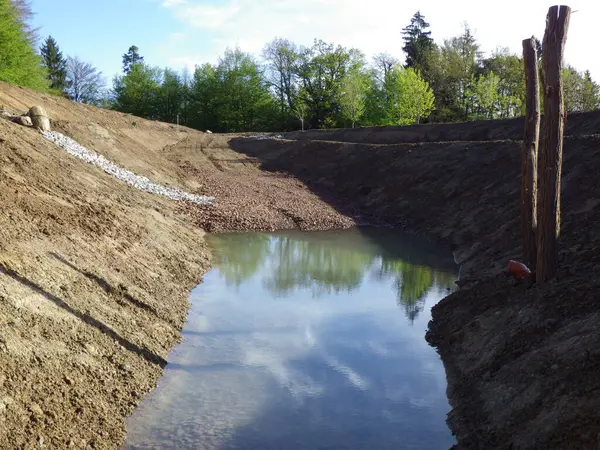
pixel 417 42
pixel 130 58
pixel 591 93
pixel 18 62
pixel 55 64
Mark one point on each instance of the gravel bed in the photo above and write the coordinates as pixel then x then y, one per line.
pixel 136 181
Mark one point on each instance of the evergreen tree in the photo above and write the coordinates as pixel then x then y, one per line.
pixel 417 42
pixel 591 93
pixel 131 58
pixel 19 63
pixel 55 64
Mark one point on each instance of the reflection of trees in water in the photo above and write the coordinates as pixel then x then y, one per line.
pixel 238 256
pixel 413 283
pixel 324 265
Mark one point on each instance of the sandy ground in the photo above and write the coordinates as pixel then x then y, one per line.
pixel 94 276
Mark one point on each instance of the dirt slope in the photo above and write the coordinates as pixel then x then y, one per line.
pixel 522 361
pixel 484 130
pixel 94 275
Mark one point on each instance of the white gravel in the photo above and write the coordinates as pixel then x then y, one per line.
pixel 136 181
pixel 265 136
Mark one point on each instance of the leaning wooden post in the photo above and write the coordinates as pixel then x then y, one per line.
pixel 529 154
pixel 550 168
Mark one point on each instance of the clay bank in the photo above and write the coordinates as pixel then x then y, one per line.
pixel 95 274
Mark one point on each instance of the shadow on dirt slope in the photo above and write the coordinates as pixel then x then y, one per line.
pixel 520 360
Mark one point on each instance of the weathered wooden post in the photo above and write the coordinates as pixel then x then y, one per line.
pixel 529 154
pixel 550 168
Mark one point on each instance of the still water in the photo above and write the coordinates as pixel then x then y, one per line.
pixel 306 341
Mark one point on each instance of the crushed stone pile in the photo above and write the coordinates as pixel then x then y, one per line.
pixel 265 136
pixel 139 182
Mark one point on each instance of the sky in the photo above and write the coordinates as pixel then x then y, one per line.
pixel 183 33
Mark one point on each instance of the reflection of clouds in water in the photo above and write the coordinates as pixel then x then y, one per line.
pixel 353 377
pixel 263 351
pixel 257 363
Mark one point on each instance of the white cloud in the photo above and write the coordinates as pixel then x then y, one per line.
pixel 373 26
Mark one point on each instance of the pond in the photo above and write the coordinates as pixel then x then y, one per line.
pixel 306 341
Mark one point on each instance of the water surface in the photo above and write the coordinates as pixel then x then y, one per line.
pixel 306 341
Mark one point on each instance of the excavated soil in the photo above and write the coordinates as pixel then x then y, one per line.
pixel 522 361
pixel 94 275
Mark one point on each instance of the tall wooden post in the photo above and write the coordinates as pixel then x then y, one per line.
pixel 550 168
pixel 529 154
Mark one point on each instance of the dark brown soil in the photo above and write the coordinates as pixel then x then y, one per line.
pixel 522 362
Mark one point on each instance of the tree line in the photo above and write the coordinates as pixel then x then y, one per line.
pixel 289 86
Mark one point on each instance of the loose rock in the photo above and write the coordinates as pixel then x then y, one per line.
pixel 136 181
pixel 39 118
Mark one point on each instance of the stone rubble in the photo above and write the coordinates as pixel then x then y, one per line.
pixel 139 182
pixel 265 136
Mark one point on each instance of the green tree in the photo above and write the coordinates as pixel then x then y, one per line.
pixel 353 96
pixel 591 93
pixel 486 98
pixel 301 108
pixel 321 71
pixel 417 43
pixel 137 92
pixel 131 58
pixel 85 83
pixel 203 101
pixel 511 82
pixel 573 84
pixel 455 65
pixel 19 63
pixel 580 91
pixel 281 56
pixel 170 97
pixel 410 98
pixel 244 100
pixel 25 14
pixel 55 64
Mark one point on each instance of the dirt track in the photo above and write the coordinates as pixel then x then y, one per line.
pixel 94 275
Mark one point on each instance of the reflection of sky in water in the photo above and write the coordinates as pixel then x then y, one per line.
pixel 272 361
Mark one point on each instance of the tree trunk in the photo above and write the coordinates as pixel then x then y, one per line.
pixel 557 24
pixel 529 154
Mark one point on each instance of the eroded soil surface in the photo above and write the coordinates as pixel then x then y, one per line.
pixel 522 361
pixel 94 275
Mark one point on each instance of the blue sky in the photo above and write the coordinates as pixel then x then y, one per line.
pixel 182 33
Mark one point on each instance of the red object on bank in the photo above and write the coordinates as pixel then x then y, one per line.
pixel 518 270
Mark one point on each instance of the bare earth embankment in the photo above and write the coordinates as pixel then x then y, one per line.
pixel 522 362
pixel 94 275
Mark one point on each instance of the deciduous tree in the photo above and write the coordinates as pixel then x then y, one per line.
pixel 19 63
pixel 85 82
